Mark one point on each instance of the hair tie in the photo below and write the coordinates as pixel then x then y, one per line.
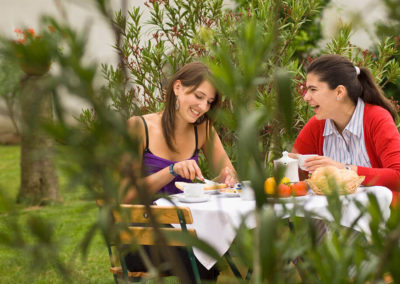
pixel 357 70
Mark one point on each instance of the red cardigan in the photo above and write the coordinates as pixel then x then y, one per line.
pixel 382 141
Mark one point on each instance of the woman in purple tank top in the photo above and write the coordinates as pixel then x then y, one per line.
pixel 173 137
pixel 171 141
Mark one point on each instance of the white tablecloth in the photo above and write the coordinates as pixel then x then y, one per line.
pixel 216 221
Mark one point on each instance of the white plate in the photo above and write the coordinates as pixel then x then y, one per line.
pixel 228 194
pixel 185 199
pixel 292 199
pixel 211 191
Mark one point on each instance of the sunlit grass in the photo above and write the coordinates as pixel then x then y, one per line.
pixel 10 170
pixel 70 221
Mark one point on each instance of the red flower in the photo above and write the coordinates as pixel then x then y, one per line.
pixel 31 31
pixel 23 35
pixel 34 53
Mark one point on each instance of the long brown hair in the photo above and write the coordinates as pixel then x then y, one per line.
pixel 191 75
pixel 337 70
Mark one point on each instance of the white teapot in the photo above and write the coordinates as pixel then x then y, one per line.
pixel 291 166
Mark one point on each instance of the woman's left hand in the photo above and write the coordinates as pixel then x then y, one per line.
pixel 312 163
pixel 227 176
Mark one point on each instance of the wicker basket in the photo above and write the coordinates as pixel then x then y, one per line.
pixel 347 188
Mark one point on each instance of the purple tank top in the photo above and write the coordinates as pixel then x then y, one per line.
pixel 153 164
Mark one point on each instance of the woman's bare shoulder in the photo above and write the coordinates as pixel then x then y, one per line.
pixel 151 120
pixel 134 122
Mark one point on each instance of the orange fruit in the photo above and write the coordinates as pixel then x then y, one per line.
pixel 284 190
pixel 270 186
pixel 299 188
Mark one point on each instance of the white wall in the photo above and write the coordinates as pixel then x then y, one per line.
pixel 80 14
pixel 25 13
pixel 363 14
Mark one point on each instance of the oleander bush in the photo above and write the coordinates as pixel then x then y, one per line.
pixel 292 30
pixel 149 63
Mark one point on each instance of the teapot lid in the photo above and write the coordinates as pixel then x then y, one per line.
pixel 285 159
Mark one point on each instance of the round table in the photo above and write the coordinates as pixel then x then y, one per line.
pixel 216 220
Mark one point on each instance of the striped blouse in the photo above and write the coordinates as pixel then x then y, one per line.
pixel 348 148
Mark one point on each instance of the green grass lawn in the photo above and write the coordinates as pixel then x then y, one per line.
pixel 69 221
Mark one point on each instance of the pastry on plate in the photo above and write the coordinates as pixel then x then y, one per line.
pixel 180 185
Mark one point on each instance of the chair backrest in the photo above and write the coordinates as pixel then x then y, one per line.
pixel 143 234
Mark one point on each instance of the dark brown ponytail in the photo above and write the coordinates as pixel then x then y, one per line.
pixel 373 94
pixel 337 70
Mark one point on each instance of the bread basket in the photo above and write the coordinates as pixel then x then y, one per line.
pixel 323 180
pixel 347 187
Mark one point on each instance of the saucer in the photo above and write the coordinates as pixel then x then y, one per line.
pixel 229 192
pixel 185 199
pixel 292 199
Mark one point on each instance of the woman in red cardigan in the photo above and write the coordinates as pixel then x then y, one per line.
pixel 353 126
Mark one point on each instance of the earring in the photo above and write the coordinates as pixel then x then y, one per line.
pixel 177 104
pixel 338 98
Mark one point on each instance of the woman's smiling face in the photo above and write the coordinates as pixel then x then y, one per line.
pixel 194 103
pixel 321 98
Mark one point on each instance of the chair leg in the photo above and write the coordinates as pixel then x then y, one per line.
pixel 249 274
pixel 189 249
pixel 232 265
pixel 124 269
pixel 111 255
pixel 194 265
pixel 115 279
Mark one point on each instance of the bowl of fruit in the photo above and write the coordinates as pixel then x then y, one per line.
pixel 285 188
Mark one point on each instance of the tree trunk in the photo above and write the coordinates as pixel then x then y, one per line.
pixel 39 181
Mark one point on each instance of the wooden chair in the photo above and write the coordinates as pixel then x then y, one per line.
pixel 145 235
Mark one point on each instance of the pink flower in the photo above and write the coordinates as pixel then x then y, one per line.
pixel 31 31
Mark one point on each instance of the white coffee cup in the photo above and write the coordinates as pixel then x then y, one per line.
pixel 303 158
pixel 193 190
